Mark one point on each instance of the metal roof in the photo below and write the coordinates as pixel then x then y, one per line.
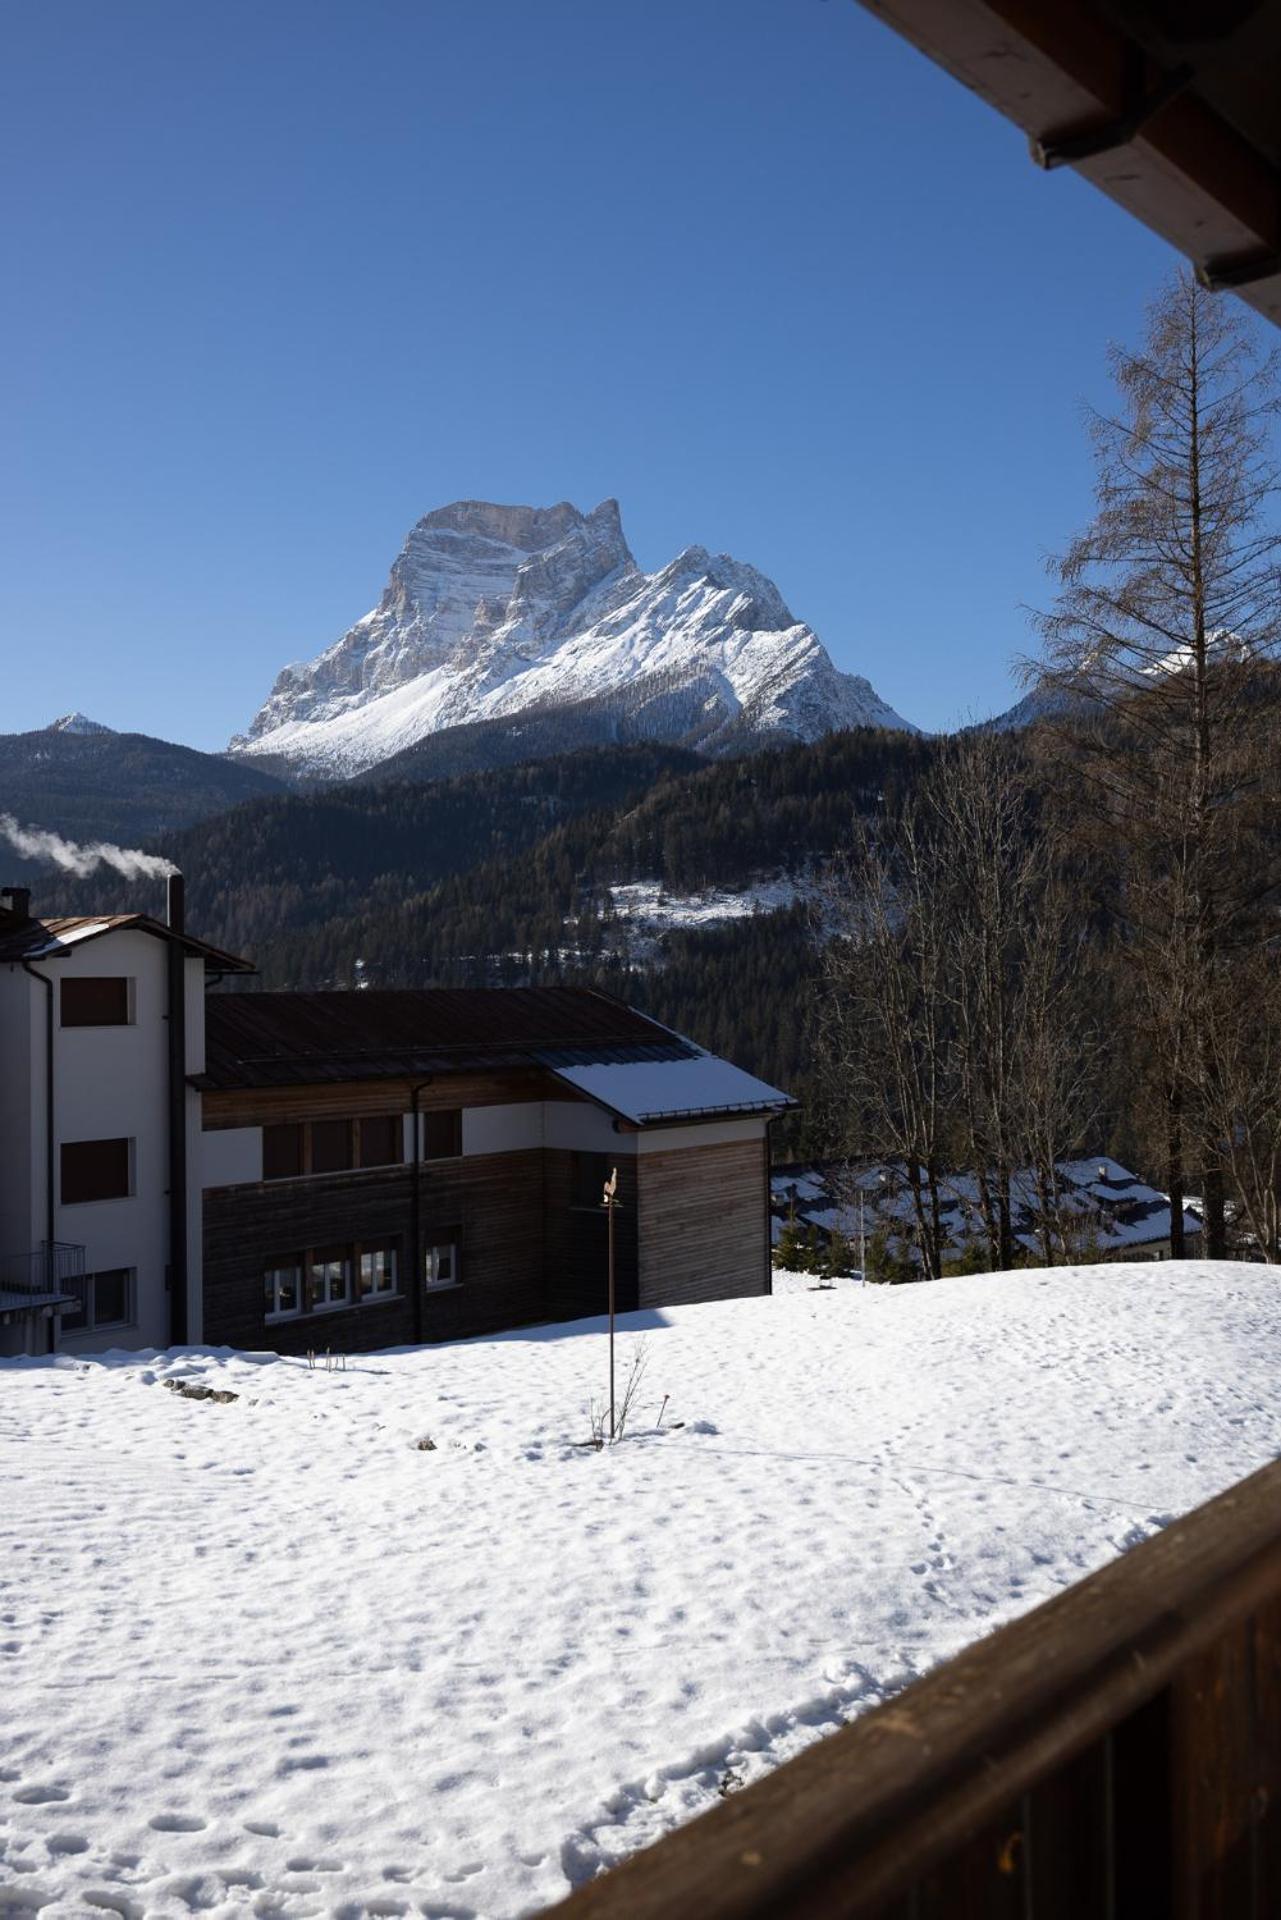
pixel 699 1086
pixel 298 1039
pixel 55 939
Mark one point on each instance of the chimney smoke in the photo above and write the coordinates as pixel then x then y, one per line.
pixel 38 843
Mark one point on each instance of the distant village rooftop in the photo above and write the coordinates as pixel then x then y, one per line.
pixel 1116 1215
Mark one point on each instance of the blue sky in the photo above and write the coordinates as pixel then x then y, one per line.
pixel 281 278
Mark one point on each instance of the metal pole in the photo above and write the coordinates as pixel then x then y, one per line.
pixel 611 1316
pixel 862 1239
pixel 611 1190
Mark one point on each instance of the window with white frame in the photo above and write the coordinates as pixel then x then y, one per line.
pixel 326 1279
pixel 329 1278
pixel 440 1264
pixel 376 1274
pixel 104 1299
pixel 282 1291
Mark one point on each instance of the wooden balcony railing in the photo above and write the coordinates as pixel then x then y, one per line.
pixel 1116 1753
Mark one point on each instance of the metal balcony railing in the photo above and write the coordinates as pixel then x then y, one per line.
pixel 50 1270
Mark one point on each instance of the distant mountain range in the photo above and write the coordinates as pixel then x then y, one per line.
pixel 495 617
pixel 81 779
pixel 505 635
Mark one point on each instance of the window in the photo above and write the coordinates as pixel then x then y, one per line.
pixel 102 1300
pixel 324 1279
pixel 332 1146
pixel 281 1153
pixel 588 1175
pixel 440 1264
pixel 443 1134
pixel 329 1278
pixel 98 1000
pixel 382 1141
pixel 282 1291
pixel 96 1170
pixel 376 1275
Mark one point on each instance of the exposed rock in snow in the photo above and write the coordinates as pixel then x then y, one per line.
pixel 494 610
pixel 77 723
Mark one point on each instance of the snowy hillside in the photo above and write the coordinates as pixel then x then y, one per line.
pixel 492 611
pixel 270 1656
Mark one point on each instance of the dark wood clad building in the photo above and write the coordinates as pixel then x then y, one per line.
pixel 391 1167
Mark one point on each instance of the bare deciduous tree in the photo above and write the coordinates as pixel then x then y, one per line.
pixel 956 1031
pixel 1241 1092
pixel 1168 612
pixel 884 1041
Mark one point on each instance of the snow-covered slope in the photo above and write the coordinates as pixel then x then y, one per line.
pixel 271 1657
pixel 494 610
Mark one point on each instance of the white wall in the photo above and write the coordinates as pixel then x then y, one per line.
pixel 228 1157
pixel 110 1081
pixel 21 1146
pixel 509 1129
pixel 710 1133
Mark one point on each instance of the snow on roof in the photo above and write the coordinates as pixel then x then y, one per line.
pixel 648 1090
pixel 1109 1205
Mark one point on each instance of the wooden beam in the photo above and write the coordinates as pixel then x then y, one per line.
pixel 1056 67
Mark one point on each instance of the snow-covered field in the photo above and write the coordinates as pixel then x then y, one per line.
pixel 269 1657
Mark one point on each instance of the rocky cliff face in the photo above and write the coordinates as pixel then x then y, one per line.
pixel 494 610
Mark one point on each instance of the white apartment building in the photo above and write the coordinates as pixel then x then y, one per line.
pixel 101 1025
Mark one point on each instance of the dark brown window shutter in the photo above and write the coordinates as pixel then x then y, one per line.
pixel 330 1146
pixel 94 1170
pixel 443 1134
pixel 382 1141
pixel 98 1000
pixel 281 1152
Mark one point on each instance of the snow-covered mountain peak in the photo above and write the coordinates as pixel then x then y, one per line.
pixel 77 723
pixel 493 609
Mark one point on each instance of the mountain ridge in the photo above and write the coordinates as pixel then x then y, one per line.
pixel 491 612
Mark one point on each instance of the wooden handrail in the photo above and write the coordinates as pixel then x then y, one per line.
pixel 857 1821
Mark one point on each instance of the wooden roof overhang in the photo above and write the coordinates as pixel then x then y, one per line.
pixel 1173 110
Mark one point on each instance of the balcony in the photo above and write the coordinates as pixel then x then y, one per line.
pixel 40 1281
pixel 1114 1753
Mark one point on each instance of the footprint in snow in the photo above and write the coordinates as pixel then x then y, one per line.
pixel 178 1823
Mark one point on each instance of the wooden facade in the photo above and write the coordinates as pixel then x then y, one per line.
pixel 692 1224
pixel 699 1223
pixel 577 1241
pixel 317 1233
pixel 271 1106
pixel 491 1206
